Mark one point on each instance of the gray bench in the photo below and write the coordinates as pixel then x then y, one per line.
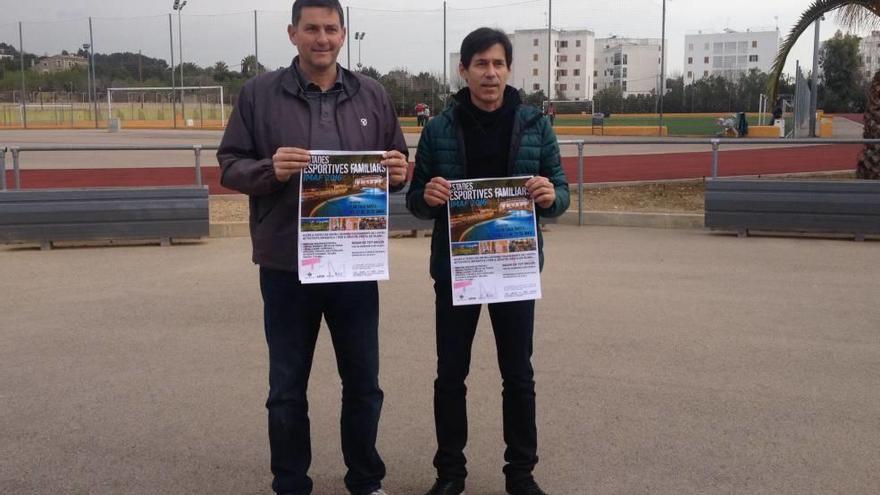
pixel 137 213
pixel 804 206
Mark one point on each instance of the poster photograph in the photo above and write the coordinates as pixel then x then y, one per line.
pixel 343 230
pixel 493 241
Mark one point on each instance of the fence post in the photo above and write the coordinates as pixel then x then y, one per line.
pixel 197 149
pixel 715 143
pixel 580 183
pixel 16 170
pixel 3 169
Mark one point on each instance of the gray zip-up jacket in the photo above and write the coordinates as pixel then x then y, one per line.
pixel 271 113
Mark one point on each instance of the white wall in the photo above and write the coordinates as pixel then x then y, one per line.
pixel 728 53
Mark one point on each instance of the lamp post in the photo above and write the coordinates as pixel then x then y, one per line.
pixel 86 47
pixel 359 36
pixel 178 6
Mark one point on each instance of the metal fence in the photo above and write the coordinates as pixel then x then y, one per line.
pixel 714 145
pixel 415 39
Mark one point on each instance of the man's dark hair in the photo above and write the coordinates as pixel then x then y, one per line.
pixel 482 39
pixel 299 5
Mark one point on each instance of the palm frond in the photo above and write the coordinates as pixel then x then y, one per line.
pixel 852 13
pixel 859 17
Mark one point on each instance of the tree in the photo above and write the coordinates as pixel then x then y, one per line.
pixel 841 74
pixel 250 67
pixel 851 14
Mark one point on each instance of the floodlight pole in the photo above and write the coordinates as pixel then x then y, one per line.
pixel 256 46
pixel 347 37
pixel 549 50
pixel 662 67
pixel 814 82
pixel 179 7
pixel 23 84
pixel 173 89
pixel 94 79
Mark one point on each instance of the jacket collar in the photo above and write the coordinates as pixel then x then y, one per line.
pixel 290 81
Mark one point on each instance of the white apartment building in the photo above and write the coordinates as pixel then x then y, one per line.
pixel 869 50
pixel 572 63
pixel 728 54
pixel 633 64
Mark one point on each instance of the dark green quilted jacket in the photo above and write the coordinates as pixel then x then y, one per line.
pixel 534 150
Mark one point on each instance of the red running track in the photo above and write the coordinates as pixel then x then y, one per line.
pixel 617 168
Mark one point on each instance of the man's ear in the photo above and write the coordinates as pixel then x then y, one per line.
pixel 462 70
pixel 291 32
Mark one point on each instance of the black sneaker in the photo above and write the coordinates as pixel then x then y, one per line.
pixel 525 488
pixel 447 487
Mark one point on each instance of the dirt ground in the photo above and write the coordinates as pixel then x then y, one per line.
pixel 660 197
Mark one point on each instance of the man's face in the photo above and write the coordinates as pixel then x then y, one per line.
pixel 318 37
pixel 486 77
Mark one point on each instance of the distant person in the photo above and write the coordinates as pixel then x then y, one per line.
pixel 485 133
pixel 420 114
pixel 314 104
pixel 551 112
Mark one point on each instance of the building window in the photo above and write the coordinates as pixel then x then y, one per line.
pixel 624 59
pixel 754 44
pixel 705 60
pixel 534 72
pixel 562 73
pixel 535 57
pixel 563 87
pixel 563 44
pixel 754 58
pixel 577 87
pixel 595 86
pixel 690 60
pixel 563 58
pixel 705 73
pixel 536 87
pixel 690 47
pixel 577 43
pixel 577 58
pixel 624 85
pixel 595 73
pixel 577 72
pixel 717 48
pixel 535 42
pixel 624 72
pixel 706 47
pixel 730 47
pixel 690 75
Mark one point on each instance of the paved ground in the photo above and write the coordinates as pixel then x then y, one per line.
pixel 668 362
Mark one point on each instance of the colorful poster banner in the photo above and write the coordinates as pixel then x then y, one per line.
pixel 493 241
pixel 343 215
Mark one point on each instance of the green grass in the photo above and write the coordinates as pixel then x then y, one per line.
pixel 677 125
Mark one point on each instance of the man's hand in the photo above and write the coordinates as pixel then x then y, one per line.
pixel 397 166
pixel 542 191
pixel 288 161
pixel 436 192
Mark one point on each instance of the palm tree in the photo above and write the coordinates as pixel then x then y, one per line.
pixel 850 14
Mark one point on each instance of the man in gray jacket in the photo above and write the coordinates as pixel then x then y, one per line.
pixel 313 105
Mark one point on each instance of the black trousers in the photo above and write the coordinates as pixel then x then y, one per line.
pixel 292 317
pixel 513 325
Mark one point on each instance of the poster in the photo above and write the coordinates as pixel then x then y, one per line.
pixel 493 241
pixel 343 218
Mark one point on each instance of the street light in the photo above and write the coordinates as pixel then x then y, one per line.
pixel 178 6
pixel 86 47
pixel 359 36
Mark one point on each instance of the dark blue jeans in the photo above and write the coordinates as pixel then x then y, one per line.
pixel 292 313
pixel 513 325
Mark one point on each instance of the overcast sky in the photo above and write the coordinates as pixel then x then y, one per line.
pixel 399 33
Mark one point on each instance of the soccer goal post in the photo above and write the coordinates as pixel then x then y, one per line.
pixel 173 96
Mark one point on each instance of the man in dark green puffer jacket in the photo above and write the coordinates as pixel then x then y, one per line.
pixel 486 132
